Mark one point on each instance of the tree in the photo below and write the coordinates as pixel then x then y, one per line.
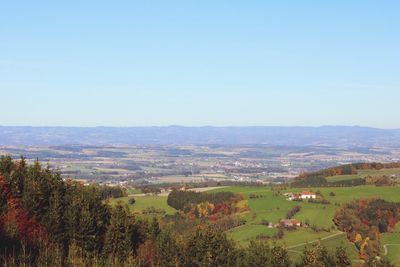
pixel 168 251
pixel 280 257
pixel 317 256
pixel 117 242
pixel 342 259
pixel 55 220
pixel 154 230
pixel 257 254
pixel 206 247
pixel 131 201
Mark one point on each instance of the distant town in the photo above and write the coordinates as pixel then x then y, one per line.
pixel 182 164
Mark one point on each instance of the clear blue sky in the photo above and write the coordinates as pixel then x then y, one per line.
pixel 130 63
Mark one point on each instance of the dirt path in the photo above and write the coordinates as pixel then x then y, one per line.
pixel 386 249
pixel 314 241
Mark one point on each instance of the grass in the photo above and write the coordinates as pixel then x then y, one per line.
pixel 158 202
pixel 338 178
pixel 392 238
pixel 317 214
pixel 274 207
pixel 132 191
pixel 245 233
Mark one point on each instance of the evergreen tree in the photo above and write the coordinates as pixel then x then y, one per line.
pixel 168 251
pixel 205 247
pixel 257 254
pixel 117 242
pixel 55 221
pixel 154 230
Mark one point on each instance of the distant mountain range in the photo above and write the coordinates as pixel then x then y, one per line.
pixel 348 136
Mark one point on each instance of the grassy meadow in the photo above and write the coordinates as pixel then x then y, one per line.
pixel 144 202
pixel 271 206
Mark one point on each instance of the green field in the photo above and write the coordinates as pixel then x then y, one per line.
pixel 245 233
pixel 392 240
pixel 158 202
pixel 338 178
pixel 274 207
pixel 133 191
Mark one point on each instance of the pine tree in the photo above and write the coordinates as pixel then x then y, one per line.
pixel 117 239
pixel 154 230
pixel 169 253
pixel 258 254
pixel 206 247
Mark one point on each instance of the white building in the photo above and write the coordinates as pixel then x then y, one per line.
pixel 308 195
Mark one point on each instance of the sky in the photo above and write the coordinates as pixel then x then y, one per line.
pixel 195 63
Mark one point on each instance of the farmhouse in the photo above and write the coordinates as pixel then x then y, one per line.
pixel 302 195
pixel 292 196
pixel 290 223
pixel 308 195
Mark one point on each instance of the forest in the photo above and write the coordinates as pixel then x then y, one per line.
pixel 318 178
pixel 365 220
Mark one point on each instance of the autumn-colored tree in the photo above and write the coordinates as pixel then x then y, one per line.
pixel 342 259
pixel 317 256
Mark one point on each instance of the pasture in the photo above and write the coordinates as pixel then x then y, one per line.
pixel 391 243
pixel 272 207
pixel 144 202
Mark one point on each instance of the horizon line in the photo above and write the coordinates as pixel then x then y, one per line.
pixel 198 126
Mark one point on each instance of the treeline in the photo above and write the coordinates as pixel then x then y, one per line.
pixel 290 214
pixel 318 179
pixel 349 169
pixel 180 199
pixel 364 221
pixel 321 181
pixel 110 191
